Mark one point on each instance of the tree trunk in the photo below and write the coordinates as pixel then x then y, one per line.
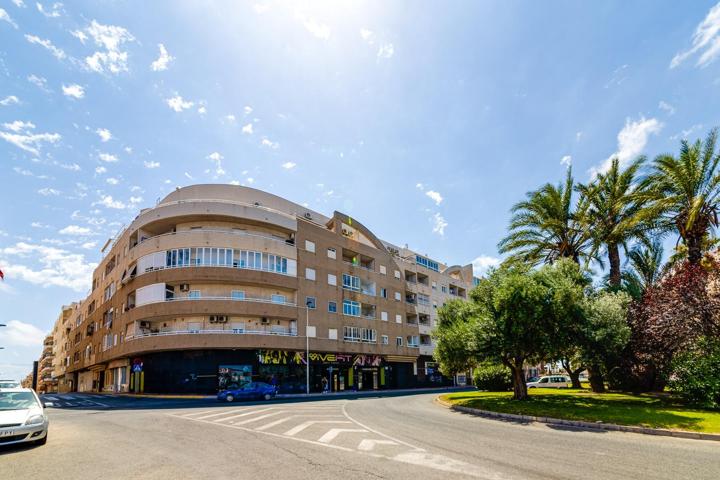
pixel 573 374
pixel 694 249
pixel 597 383
pixel 518 377
pixel 614 259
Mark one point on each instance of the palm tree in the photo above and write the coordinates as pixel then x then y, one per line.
pixel 682 194
pixel 548 226
pixel 612 211
pixel 646 268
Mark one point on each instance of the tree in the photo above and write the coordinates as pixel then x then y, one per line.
pixel 454 336
pixel 611 213
pixel 548 226
pixel 605 334
pixel 646 269
pixel 682 192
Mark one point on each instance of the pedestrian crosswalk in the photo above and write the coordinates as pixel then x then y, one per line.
pixel 326 424
pixel 76 400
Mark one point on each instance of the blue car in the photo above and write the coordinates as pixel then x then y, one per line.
pixel 249 391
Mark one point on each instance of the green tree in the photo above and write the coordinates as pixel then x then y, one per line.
pixel 547 226
pixel 454 336
pixel 612 211
pixel 646 269
pixel 681 194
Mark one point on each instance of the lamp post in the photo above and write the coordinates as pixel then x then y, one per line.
pixel 307 348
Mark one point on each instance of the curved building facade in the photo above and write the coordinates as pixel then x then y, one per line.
pixel 218 284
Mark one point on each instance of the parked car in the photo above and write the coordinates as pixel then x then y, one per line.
pixel 250 391
pixel 551 381
pixel 9 384
pixel 22 417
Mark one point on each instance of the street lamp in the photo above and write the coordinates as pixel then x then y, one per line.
pixel 307 348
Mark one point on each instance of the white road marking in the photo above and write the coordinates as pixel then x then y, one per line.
pixel 368 444
pixel 224 419
pixel 291 417
pixel 446 464
pixel 380 433
pixel 334 432
pixel 223 412
pixel 299 428
pixel 196 413
pixel 255 419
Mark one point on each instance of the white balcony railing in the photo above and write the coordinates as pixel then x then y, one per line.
pixel 228 232
pixel 234 299
pixel 285 332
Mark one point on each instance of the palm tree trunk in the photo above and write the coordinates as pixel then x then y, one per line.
pixel 614 258
pixel 694 249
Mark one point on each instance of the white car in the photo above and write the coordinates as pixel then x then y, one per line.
pixel 22 417
pixel 551 381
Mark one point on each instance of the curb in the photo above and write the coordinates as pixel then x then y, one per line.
pixel 579 424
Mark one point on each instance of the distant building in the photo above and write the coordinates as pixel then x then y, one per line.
pixel 214 284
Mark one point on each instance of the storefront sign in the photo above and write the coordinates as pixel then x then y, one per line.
pixel 234 376
pixel 286 357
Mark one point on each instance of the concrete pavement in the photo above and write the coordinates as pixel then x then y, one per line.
pixel 400 437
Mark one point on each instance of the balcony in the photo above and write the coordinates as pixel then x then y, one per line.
pixel 265 330
pixel 367 311
pixel 358 260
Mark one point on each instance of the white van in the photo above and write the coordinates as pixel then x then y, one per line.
pixel 551 381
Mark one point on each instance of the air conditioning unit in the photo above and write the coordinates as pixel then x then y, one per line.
pixel 221 319
pixel 184 287
pixel 307 215
pixel 144 324
pixel 213 318
pixel 265 321
pixel 347 232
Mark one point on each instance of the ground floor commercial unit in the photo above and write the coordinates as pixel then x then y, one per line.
pixel 211 370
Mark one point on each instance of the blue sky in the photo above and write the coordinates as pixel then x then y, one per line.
pixel 424 120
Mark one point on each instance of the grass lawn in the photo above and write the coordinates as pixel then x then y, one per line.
pixel 647 410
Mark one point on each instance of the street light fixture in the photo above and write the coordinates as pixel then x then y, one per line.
pixel 307 348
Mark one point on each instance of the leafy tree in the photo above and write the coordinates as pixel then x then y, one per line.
pixel 681 194
pixel 455 349
pixel 492 377
pixel 695 373
pixel 646 269
pixel 547 226
pixel 612 211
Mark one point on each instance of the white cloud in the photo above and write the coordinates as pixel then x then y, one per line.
pixel 18 126
pixel 685 134
pixel 163 60
pixel 21 334
pixel 28 141
pixel 419 186
pixel 71 166
pixel 49 192
pixel 267 143
pixel 75 230
pixel 320 30
pixel 261 8
pixel 250 180
pixel 632 140
pixel 80 35
pixel 56 267
pixel 5 17
pixel 135 200
pixel 39 225
pixel 202 110
pixel 89 245
pixel 247 129
pixel 112 181
pixel 483 263
pixel 152 164
pixel 107 157
pixel 247 110
pixel 706 39
pixel 39 82
pixel 74 91
pixel 54 12
pixel 578 136
pixel 100 170
pixel 439 224
pixel 366 35
pixel 566 160
pixel 107 201
pixel 19 3
pixel 230 118
pixel 435 196
pixel 217 159
pixel 178 104
pixel 47 44
pixel 289 165
pixel 386 50
pixel 111 38
pixel 619 75
pixel 188 176
pixel 104 134
pixel 663 105
pixel 9 100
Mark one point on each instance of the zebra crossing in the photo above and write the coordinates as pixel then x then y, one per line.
pixel 76 400
pixel 325 424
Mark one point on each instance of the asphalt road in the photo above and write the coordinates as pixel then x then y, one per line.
pixel 399 437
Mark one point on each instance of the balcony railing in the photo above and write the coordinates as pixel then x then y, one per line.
pixel 358 265
pixel 193 264
pixel 235 299
pixel 284 332
pixel 229 232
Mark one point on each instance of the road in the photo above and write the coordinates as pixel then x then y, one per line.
pixel 398 437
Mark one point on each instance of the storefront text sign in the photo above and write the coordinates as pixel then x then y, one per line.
pixel 285 357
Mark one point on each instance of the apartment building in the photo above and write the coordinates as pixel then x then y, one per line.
pixel 219 284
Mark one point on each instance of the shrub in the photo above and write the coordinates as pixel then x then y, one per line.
pixel 696 374
pixel 493 377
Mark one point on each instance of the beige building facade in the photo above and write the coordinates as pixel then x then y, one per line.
pixel 215 285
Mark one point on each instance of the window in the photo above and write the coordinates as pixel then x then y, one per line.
pixel 384 339
pixel 398 318
pixel 311 331
pixel 351 334
pixel 383 270
pixel 309 274
pixel 332 307
pixel 332 253
pixel 413 341
pixel 332 333
pixel 398 297
pixel 332 279
pixel 351 308
pixel 237 295
pixel 310 246
pixel 383 316
pixel 195 294
pixel 277 298
pixel 368 335
pixel 397 273
pixel 443 288
pixel 383 292
pixel 423 299
pixel 399 341
pixel 351 282
pixel 310 302
pixel 427 263
pixel 109 292
pixel 177 258
pixel 434 285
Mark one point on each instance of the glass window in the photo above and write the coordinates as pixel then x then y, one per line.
pixel 310 302
pixel 194 294
pixel 351 282
pixel 237 295
pixel 384 339
pixel 275 298
pixel 310 246
pixel 351 308
pixel 331 253
pixel 398 341
pixel 309 274
pixel 332 307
